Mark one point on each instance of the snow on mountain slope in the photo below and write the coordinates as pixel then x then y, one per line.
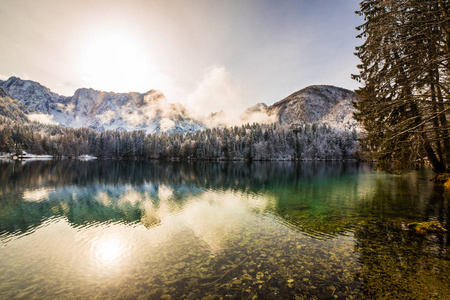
pixel 32 94
pixel 150 111
pixel 317 104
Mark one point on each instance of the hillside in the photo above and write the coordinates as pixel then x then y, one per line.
pixel 317 104
pixel 12 109
pixel 99 110
pixel 152 112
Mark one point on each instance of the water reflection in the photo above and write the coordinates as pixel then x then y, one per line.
pixel 113 229
pixel 149 191
pixel 108 250
pixel 36 195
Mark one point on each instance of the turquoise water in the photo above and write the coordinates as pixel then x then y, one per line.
pixel 276 230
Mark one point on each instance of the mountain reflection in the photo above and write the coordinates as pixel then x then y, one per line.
pixel 146 192
pixel 314 228
pixel 321 199
pixel 243 176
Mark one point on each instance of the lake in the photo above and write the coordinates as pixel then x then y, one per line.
pixel 201 230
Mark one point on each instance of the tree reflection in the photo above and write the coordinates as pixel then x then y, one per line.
pixel 344 203
pixel 320 198
pixel 105 191
pixel 398 262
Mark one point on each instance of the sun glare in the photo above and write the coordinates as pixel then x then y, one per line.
pixel 115 62
pixel 110 250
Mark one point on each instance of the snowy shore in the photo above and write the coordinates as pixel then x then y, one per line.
pixel 30 156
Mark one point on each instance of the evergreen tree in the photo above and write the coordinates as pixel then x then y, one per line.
pixel 404 68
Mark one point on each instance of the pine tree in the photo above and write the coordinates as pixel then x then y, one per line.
pixel 404 68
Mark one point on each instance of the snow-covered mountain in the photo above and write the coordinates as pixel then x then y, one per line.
pixel 257 108
pixel 149 111
pixel 317 104
pixel 152 112
pixel 32 94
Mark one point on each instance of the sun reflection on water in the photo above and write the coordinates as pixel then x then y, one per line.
pixel 110 253
pixel 110 250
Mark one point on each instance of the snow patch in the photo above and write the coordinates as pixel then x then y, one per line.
pixel 66 108
pixel 107 116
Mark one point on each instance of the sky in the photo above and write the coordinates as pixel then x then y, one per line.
pixel 210 55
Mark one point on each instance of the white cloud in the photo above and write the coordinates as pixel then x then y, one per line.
pixel 42 118
pixel 216 92
pixel 133 117
pixel 107 116
pixel 167 124
pixel 258 117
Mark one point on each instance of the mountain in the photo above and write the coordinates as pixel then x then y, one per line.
pixel 317 104
pixel 32 94
pixel 152 112
pixel 149 111
pixel 257 108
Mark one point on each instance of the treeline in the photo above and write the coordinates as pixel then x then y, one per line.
pixel 246 142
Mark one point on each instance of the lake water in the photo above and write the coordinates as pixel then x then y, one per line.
pixel 273 230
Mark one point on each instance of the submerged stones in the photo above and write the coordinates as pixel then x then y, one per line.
pixel 427 227
pixel 243 255
pixel 247 277
pixel 259 275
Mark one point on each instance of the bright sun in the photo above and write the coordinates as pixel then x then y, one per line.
pixel 115 62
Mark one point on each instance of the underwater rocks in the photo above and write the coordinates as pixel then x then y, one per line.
pixel 426 227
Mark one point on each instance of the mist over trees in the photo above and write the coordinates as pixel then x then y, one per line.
pixel 404 68
pixel 247 142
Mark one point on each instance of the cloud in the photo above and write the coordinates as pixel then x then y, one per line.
pixel 260 117
pixel 216 92
pixel 134 118
pixel 167 124
pixel 107 116
pixel 42 118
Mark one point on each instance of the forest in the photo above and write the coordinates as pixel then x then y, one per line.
pixel 247 142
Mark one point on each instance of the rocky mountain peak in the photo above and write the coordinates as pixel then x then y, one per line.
pixel 314 104
pixel 31 93
pixel 101 110
pixel 152 112
pixel 259 107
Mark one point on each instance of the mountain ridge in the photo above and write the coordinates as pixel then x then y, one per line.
pixel 317 103
pixel 152 112
pixel 100 110
pixel 12 109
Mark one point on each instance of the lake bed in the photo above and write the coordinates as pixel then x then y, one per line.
pixel 192 230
